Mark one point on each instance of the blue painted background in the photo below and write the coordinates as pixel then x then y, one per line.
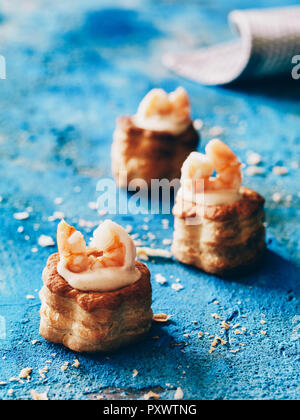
pixel 72 68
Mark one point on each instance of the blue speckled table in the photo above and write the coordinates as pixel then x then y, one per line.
pixel 72 68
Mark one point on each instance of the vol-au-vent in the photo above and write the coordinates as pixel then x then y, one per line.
pixel 96 297
pixel 153 143
pixel 219 224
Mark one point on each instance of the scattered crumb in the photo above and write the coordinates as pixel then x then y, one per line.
pixel 198 124
pixel 93 205
pixel 222 341
pixel 263 332
pixel 277 197
pixel 161 317
pixel 64 368
pixel 45 241
pixel 167 241
pixel 23 215
pixel 57 215
pixel 178 394
pixel 151 395
pixel 177 286
pixel 234 351
pixel 211 350
pixel 262 321
pixel 280 170
pixel 30 297
pixel 34 342
pixel 200 334
pixel 195 322
pixel 145 252
pixel 225 325
pixel 216 316
pixel 215 302
pixel 34 249
pixel 236 325
pixel 237 332
pixel 58 200
pixel 20 229
pixel 254 158
pixel 102 212
pixel 25 373
pixel 43 371
pixel 87 223
pixel 10 391
pixel 14 379
pixel 134 373
pixel 160 279
pixel 165 223
pixel 254 170
pixel 216 131
pixel 43 396
pixel 76 363
pixel 3 383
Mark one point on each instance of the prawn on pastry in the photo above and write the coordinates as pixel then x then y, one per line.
pixel 219 224
pixel 96 297
pixel 153 143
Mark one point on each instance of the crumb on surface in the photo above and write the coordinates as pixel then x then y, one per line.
pixel 151 395
pixel 280 170
pixel 159 278
pixel 146 252
pixel 177 287
pixel 36 396
pixel 22 215
pixel 161 317
pixel 25 373
pixel 178 394
pixel 45 241
pixel 225 325
pixel 76 363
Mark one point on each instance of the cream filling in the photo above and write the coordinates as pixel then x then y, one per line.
pixel 209 198
pixel 104 279
pixel 169 123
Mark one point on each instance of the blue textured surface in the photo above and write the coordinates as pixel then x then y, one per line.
pixel 72 67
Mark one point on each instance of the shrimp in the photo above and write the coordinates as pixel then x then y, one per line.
pixel 196 167
pixel 111 246
pixel 158 102
pixel 108 240
pixel 72 248
pixel 218 157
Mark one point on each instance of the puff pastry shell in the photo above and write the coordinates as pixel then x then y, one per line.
pixel 227 238
pixel 148 154
pixel 94 321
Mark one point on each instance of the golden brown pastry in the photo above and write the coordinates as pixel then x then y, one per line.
pixel 154 143
pixel 219 225
pixel 95 298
